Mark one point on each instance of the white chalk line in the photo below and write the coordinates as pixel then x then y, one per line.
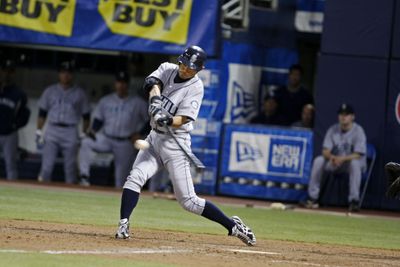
pixel 100 252
pixel 304 263
pixel 131 251
pixel 253 251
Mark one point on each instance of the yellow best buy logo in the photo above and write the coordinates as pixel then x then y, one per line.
pixel 50 16
pixel 161 20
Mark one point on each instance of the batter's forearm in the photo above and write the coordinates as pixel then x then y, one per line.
pixel 85 125
pixel 155 91
pixel 40 122
pixel 178 121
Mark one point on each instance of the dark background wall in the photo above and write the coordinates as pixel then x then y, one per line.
pixel 357 65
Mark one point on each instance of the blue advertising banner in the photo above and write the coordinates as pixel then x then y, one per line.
pixel 310 15
pixel 211 104
pixel 206 140
pixel 247 72
pixel 144 26
pixel 265 162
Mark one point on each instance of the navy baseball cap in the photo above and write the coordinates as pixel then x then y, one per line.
pixel 122 76
pixel 66 66
pixel 345 109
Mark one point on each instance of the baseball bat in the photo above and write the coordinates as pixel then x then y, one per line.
pixel 192 158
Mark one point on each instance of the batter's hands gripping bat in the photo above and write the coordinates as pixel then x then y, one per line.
pixel 392 171
pixel 192 158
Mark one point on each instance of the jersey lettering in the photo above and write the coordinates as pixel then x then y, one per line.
pixel 168 105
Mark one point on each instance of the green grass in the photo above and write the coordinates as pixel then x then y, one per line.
pixel 97 208
pixel 43 260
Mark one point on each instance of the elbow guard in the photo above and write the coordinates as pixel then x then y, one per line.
pixel 150 81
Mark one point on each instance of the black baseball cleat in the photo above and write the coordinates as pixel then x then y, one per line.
pixel 354 206
pixel 84 180
pixel 243 232
pixel 309 203
pixel 123 229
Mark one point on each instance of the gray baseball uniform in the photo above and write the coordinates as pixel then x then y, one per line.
pixel 177 107
pixel 178 99
pixel 121 117
pixel 65 108
pixel 340 144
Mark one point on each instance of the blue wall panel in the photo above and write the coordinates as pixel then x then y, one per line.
pixel 361 82
pixel 396 32
pixel 358 27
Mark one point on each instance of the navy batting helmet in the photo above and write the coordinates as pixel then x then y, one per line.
pixel 193 57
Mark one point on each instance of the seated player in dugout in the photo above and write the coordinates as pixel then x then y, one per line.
pixel 62 105
pixel 117 122
pixel 175 96
pixel 344 150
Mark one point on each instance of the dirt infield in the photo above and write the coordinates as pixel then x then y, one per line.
pixel 181 249
pixel 178 248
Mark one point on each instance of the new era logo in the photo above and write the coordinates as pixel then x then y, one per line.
pixel 248 152
pixel 244 152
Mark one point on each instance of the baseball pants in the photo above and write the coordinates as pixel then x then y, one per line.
pixel 60 138
pixel 164 151
pixel 123 151
pixel 9 145
pixel 353 168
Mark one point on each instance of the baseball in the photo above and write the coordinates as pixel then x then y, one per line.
pixel 141 144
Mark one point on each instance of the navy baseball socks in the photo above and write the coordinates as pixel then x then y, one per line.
pixel 235 226
pixel 129 201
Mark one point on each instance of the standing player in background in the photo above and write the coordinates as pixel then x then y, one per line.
pixel 13 115
pixel 121 118
pixel 294 95
pixel 62 105
pixel 175 94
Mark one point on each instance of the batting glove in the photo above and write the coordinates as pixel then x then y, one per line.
pixel 163 119
pixel 39 139
pixel 155 105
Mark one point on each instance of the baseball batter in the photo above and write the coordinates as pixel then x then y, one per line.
pixel 121 117
pixel 175 94
pixel 62 105
pixel 13 115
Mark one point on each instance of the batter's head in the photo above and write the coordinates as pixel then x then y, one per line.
pixel 193 57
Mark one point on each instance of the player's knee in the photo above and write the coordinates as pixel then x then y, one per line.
pixel 192 204
pixel 135 180
pixel 319 161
